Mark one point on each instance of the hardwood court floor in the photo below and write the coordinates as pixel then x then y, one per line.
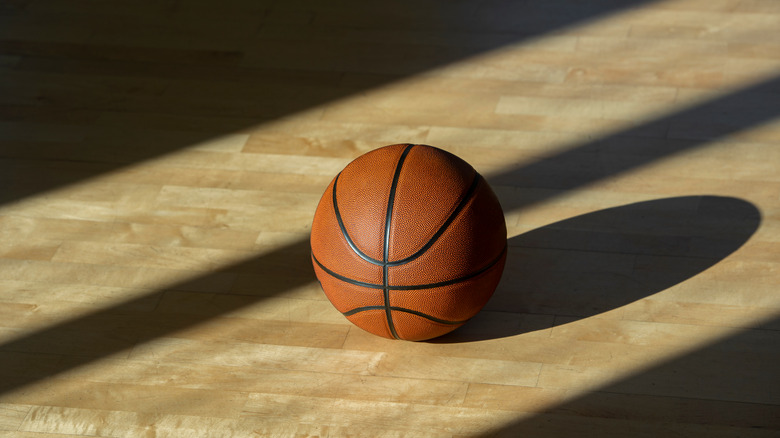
pixel 160 162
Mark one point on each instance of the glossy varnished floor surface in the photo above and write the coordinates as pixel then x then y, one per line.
pixel 160 162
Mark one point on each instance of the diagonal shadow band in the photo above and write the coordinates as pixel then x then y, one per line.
pixel 600 261
pixel 749 108
pixel 724 388
pixel 79 109
pixel 681 131
pixel 119 328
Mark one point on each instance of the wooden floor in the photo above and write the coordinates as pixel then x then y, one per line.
pixel 160 163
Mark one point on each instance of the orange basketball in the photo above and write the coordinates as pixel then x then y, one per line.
pixel 408 242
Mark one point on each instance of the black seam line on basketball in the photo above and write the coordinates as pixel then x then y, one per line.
pixel 344 232
pixel 391 203
pixel 386 243
pixel 469 193
pixel 455 280
pixel 401 309
pixel 431 241
pixel 346 279
pixel 412 287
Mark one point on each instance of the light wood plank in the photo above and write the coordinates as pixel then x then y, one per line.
pixel 161 163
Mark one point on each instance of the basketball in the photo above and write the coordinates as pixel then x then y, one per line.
pixel 408 242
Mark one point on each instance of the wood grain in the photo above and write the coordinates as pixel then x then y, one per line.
pixel 160 163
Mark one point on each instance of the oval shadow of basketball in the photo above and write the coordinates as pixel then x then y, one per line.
pixel 600 261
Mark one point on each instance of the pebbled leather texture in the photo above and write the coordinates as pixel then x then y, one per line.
pixel 411 244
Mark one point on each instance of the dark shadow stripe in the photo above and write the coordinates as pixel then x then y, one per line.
pixel 402 309
pixel 443 228
pixel 411 287
pixel 763 108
